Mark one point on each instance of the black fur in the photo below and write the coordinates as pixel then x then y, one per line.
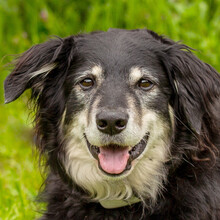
pixel 193 187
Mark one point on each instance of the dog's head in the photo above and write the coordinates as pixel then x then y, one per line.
pixel 111 105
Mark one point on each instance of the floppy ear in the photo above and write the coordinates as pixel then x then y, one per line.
pixel 35 64
pixel 195 84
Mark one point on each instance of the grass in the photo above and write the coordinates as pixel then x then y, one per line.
pixel 19 179
pixel 24 23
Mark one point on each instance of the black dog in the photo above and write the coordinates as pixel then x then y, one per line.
pixel 129 124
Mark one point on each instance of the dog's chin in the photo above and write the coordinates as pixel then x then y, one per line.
pixel 116 160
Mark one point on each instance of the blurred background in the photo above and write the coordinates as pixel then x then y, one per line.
pixel 24 23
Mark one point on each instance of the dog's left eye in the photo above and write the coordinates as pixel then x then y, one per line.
pixel 86 83
pixel 145 84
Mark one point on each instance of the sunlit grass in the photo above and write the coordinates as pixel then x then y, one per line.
pixel 19 179
pixel 24 23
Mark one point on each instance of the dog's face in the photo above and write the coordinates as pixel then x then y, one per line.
pixel 121 131
pixel 107 106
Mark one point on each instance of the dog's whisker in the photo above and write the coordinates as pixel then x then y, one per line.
pixel 187 127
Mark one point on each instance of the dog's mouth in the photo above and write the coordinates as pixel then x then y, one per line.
pixel 114 159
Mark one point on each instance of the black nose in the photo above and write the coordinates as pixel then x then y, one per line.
pixel 111 122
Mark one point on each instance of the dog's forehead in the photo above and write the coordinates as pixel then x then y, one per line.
pixel 118 50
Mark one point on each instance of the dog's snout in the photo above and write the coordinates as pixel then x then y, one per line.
pixel 110 122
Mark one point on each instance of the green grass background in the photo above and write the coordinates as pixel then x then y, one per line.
pixel 27 22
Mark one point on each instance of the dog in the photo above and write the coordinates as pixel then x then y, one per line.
pixel 128 122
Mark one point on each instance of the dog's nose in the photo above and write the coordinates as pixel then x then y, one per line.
pixel 110 122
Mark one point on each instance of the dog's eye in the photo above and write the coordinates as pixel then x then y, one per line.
pixel 145 84
pixel 86 83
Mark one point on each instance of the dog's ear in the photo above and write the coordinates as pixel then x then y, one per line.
pixel 195 84
pixel 35 64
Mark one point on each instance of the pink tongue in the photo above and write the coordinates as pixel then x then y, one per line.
pixel 113 160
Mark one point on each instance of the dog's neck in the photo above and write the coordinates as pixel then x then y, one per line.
pixel 112 204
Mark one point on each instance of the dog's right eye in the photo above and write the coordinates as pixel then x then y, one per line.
pixel 86 83
pixel 145 84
